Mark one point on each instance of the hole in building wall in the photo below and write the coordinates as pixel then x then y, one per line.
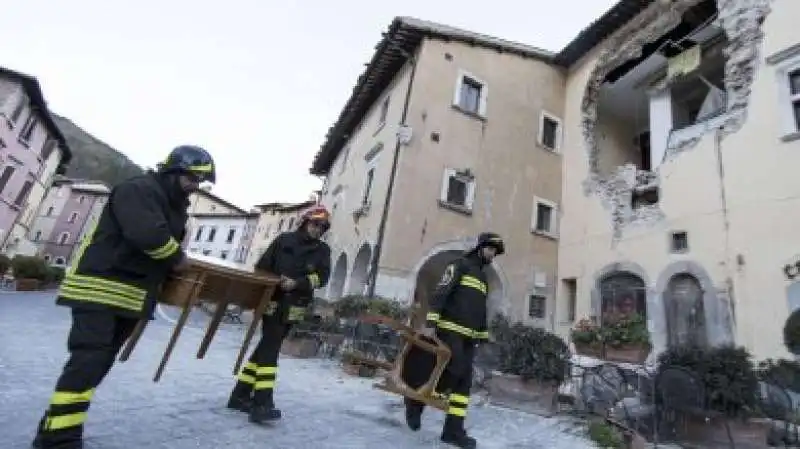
pixel 658 88
pixel 679 242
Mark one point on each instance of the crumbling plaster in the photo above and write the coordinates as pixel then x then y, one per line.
pixel 741 20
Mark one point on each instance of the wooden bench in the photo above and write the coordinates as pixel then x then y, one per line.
pixel 217 283
pixel 393 378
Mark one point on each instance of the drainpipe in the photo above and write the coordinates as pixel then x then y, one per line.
pixel 373 269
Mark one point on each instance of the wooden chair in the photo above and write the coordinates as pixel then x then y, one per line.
pixel 393 378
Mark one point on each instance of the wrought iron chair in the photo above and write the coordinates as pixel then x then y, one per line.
pixel 776 404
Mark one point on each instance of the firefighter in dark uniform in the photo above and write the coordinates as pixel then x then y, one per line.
pixel 119 264
pixel 457 315
pixel 302 261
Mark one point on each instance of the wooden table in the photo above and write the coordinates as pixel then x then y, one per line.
pixel 217 283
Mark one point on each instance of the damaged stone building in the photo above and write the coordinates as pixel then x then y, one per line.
pixel 646 167
pixel 680 199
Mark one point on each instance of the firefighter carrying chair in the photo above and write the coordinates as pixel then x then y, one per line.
pixel 413 340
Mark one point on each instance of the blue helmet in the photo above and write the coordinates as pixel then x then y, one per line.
pixel 192 160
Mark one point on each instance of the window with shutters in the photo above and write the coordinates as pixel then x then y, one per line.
pixel 458 191
pixel 470 95
pixel 27 130
pixel 545 217
pixel 537 306
pixel 23 193
pixel 549 132
pixel 5 176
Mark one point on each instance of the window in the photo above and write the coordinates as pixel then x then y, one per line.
pixel 62 239
pixel 470 95
pixel 50 211
pixel 458 190
pixel 38 236
pixel 679 242
pixel 280 225
pixel 211 234
pixel 365 199
pixel 47 149
pixel 81 199
pixel 545 217
pixel 223 255
pixel 571 297
pixel 537 306
pixel 549 132
pixel 47 258
pixel 60 261
pixel 199 234
pixel 794 97
pixel 72 217
pixel 20 106
pixel 787 65
pixel 8 172
pixel 206 252
pixel 231 234
pixel 384 112
pixel 23 193
pixel 27 130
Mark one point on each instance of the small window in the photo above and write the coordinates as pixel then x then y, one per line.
pixel 545 217
pixel 18 108
pixel 290 226
pixel 211 234
pixel 199 234
pixel 5 177
pixel 537 306
pixel 384 112
pixel 679 242
pixel 81 199
pixel 470 95
pixel 60 261
pixel 343 163
pixel 458 190
pixel 206 252
pixel 549 132
pixel 27 130
pixel 50 211
pixel 72 217
pixel 571 297
pixel 366 197
pixel 231 234
pixel 47 149
pixel 280 225
pixel 47 258
pixel 794 96
pixel 38 236
pixel 223 255
pixel 23 193
pixel 62 239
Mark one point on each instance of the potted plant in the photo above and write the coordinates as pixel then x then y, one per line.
pixel 791 333
pixel 730 381
pixel 532 363
pixel 29 272
pixel 626 339
pixel 588 339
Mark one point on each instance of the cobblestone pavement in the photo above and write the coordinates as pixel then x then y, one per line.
pixel 323 408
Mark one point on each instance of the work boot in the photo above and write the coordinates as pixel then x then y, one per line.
pixel 454 433
pixel 240 398
pixel 261 414
pixel 413 415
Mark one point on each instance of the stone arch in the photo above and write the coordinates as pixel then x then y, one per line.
pixel 627 267
pixel 338 277
pixel 715 304
pixel 358 275
pixel 429 269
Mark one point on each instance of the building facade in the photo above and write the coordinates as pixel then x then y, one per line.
pixel 680 199
pixel 227 236
pixel 68 212
pixel 274 218
pixel 32 151
pixel 475 125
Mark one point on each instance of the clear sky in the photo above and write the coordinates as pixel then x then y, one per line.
pixel 256 83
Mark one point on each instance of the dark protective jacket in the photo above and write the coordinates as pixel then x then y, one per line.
pixel 459 302
pixel 132 248
pixel 306 260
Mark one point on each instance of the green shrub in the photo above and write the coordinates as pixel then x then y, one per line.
pixel 606 436
pixel 529 352
pixel 29 267
pixel 791 333
pixel 353 306
pixel 5 264
pixel 782 373
pixel 55 275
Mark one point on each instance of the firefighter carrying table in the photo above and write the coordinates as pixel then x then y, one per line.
pixel 217 283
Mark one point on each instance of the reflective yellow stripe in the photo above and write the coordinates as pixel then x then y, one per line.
pixel 458 399
pixel 264 370
pixel 473 282
pixel 100 297
pixel 456 411
pixel 463 330
pixel 264 384
pixel 71 397
pixel 65 421
pixel 87 239
pixel 432 316
pixel 483 335
pixel 251 366
pixel 164 251
pixel 106 285
pixel 246 378
pixel 313 278
pixel 204 168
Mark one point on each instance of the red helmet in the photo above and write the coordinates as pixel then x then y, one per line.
pixel 318 214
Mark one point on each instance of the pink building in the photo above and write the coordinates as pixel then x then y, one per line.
pixel 67 213
pixel 32 150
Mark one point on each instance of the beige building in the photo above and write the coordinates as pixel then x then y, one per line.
pixel 274 218
pixel 472 125
pixel 680 118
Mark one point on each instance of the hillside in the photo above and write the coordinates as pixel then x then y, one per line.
pixel 92 158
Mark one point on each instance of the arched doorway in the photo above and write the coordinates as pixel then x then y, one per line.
pixel 358 277
pixel 431 271
pixel 338 276
pixel 686 318
pixel 622 294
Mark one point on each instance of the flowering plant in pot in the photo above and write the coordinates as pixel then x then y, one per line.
pixel 626 338
pixel 588 338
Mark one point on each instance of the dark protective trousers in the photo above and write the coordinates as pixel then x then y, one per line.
pixel 94 340
pixel 456 381
pixel 257 378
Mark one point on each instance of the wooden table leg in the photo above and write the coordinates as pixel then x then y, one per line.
pixel 258 313
pixel 176 332
pixel 133 339
pixel 213 325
